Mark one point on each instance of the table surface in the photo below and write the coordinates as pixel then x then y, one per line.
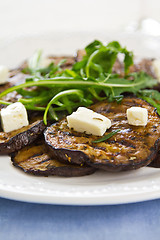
pixel 20 220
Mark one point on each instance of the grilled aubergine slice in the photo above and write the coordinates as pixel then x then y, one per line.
pixel 17 139
pixel 36 160
pixel 131 148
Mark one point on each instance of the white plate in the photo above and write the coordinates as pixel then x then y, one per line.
pixel 101 187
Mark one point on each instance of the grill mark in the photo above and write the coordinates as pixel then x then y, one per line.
pixel 100 148
pixel 121 142
pixel 33 156
pixel 46 160
pixel 129 141
pixel 127 144
pixel 36 155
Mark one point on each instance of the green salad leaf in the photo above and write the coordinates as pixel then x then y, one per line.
pixel 53 90
pixel 99 59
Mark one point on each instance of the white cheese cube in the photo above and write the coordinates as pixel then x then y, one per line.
pixel 3 74
pixel 14 117
pixel 137 116
pixel 88 121
pixel 156 68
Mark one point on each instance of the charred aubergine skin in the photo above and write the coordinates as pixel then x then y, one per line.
pixel 156 162
pixel 131 148
pixel 17 139
pixel 36 160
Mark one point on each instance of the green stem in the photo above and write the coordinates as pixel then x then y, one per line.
pixel 35 108
pixel 109 135
pixel 56 97
pixel 57 82
pixel 5 103
pixel 90 61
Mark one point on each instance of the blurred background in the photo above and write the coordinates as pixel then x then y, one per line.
pixel 32 16
pixel 77 18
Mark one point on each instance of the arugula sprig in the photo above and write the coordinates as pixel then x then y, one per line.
pixel 99 59
pixel 52 89
pixel 111 87
pixel 58 85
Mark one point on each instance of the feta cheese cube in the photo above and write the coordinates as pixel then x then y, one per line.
pixel 156 68
pixel 14 117
pixel 88 121
pixel 3 74
pixel 137 116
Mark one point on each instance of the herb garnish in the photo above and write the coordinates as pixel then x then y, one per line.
pixel 58 90
pixel 151 96
pixel 109 135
